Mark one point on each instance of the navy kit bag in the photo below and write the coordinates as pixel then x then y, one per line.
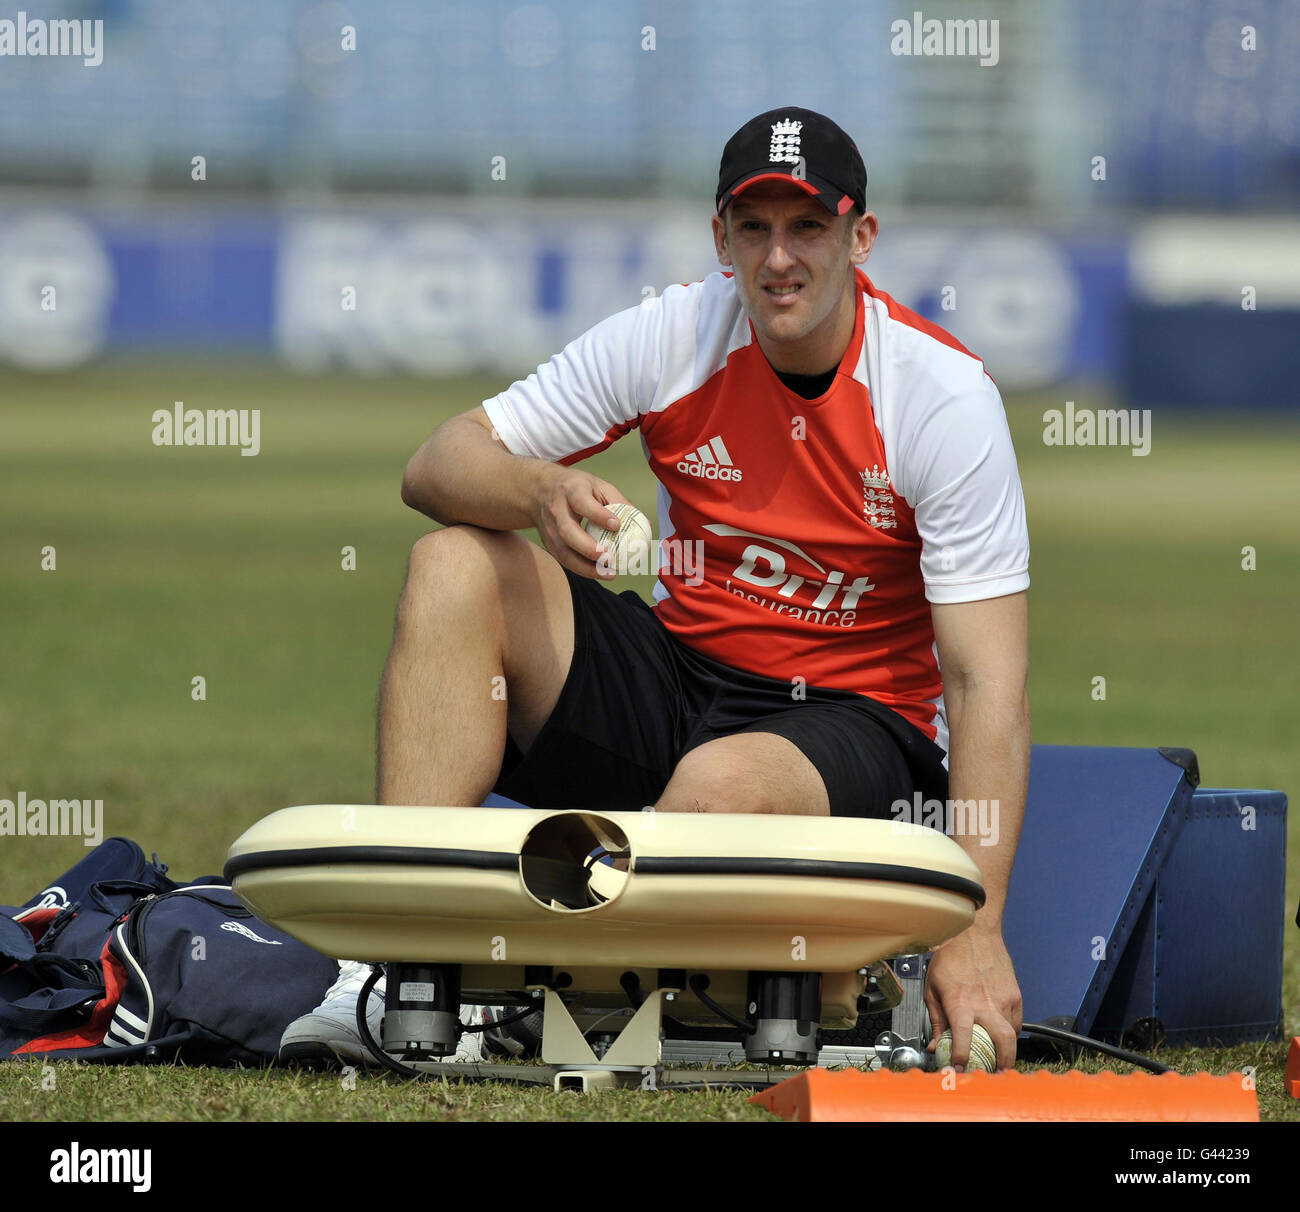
pixel 116 962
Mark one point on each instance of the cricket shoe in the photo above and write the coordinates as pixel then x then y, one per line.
pixel 329 1035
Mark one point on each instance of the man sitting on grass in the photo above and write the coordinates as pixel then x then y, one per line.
pixel 845 471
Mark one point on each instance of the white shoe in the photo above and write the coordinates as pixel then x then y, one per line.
pixel 329 1033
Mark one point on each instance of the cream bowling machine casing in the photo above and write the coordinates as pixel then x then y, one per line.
pixel 499 891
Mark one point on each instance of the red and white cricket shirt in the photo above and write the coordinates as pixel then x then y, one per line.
pixel 826 526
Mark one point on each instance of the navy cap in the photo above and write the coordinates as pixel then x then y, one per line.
pixel 795 145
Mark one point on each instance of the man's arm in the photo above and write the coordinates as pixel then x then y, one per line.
pixel 984 657
pixel 464 473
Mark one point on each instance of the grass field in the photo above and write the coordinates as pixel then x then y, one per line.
pixel 176 563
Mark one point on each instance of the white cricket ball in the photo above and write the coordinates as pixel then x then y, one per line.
pixel 983 1055
pixel 631 544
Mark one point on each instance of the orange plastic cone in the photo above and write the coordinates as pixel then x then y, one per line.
pixel 1292 1079
pixel 883 1095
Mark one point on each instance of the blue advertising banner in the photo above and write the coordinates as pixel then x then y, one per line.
pixel 443 291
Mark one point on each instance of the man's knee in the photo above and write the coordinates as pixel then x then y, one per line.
pixel 493 590
pixel 748 772
pixel 698 785
pixel 459 550
pixel 457 565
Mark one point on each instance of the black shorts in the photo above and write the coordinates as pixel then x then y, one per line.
pixel 636 700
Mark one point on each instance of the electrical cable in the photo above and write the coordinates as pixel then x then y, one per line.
pixel 501 1022
pixel 1094 1045
pixel 600 854
pixel 698 984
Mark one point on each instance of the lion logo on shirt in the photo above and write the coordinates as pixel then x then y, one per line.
pixel 878 498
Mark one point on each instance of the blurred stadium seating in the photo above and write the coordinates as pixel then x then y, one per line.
pixel 325 165
pixel 264 88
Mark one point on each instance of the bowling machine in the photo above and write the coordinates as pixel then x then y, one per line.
pixel 777 925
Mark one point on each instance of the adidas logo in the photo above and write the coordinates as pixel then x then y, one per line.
pixel 236 928
pixel 710 462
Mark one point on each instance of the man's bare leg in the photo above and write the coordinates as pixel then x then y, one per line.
pixel 747 772
pixel 483 642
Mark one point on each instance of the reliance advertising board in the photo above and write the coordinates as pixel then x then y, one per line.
pixel 444 291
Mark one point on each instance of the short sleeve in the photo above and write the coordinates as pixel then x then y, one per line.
pixel 968 502
pixel 589 394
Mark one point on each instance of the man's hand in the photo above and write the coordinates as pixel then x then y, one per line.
pixel 464 473
pixel 563 496
pixel 971 980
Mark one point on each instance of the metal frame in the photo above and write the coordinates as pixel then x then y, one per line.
pixel 638 1056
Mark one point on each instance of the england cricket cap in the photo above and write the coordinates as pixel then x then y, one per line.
pixel 795 145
